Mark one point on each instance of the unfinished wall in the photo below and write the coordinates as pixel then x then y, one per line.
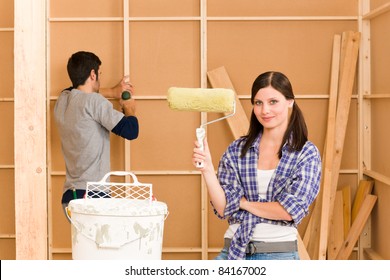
pixel 165 47
pixel 175 43
pixel 7 206
pixel 378 100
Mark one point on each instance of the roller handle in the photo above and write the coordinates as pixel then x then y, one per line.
pixel 126 95
pixel 200 134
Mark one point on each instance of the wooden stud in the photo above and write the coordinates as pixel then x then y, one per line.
pixel 203 75
pixel 312 233
pixel 377 176
pixel 346 209
pixel 357 227
pixel 336 227
pixel 302 252
pixel 328 169
pixel 126 71
pixel 365 188
pixel 364 110
pixel 30 130
pixel 324 204
pixel 347 77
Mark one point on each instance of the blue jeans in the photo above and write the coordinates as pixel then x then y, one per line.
pixel 223 255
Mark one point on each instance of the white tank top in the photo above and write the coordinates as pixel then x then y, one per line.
pixel 263 231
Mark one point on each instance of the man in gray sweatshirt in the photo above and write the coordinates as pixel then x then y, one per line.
pixel 85 119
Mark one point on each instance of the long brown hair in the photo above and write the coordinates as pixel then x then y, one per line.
pixel 296 133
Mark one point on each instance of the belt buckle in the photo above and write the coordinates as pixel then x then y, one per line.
pixel 251 248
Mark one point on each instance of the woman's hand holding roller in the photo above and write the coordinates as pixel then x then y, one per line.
pixel 217 195
pixel 204 156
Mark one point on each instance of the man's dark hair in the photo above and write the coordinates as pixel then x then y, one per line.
pixel 80 65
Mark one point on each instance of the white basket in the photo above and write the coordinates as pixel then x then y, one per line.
pixel 127 192
pixel 117 221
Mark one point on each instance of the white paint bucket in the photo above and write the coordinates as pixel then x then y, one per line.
pixel 114 228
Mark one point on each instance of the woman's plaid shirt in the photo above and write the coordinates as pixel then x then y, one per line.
pixel 295 184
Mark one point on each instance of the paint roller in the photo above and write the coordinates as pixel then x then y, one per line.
pixel 216 100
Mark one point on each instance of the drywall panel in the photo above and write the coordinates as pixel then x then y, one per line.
pixel 7 202
pixel 350 156
pixel 7 183
pixel 379 223
pixel 380 58
pixel 282 8
pixel 164 54
pixel 61 228
pixel 352 180
pixel 7 64
pixel 105 39
pixel 300 49
pixel 216 229
pixel 166 137
pixel 181 256
pixel 7 249
pixel 181 193
pixel 158 8
pixel 7 14
pixel 380 135
pixel 57 162
pixel 219 136
pixel 7 135
pixel 314 111
pixel 62 256
pixel 211 256
pixel 86 8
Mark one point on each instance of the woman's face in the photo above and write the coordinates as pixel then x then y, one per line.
pixel 271 108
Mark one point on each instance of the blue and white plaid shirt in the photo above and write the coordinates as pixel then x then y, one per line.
pixel 295 184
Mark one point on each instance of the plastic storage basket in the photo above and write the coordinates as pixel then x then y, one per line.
pixel 117 221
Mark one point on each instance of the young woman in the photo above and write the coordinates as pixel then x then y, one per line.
pixel 267 179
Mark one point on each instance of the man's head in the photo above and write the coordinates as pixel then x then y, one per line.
pixel 81 65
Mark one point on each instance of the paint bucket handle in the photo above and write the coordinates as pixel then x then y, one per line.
pixel 120 173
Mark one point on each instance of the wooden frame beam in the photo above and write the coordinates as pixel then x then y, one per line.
pixel 30 129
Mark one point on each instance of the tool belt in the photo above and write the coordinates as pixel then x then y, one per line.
pixel 254 247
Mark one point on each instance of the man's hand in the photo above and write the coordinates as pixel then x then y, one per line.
pixel 116 91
